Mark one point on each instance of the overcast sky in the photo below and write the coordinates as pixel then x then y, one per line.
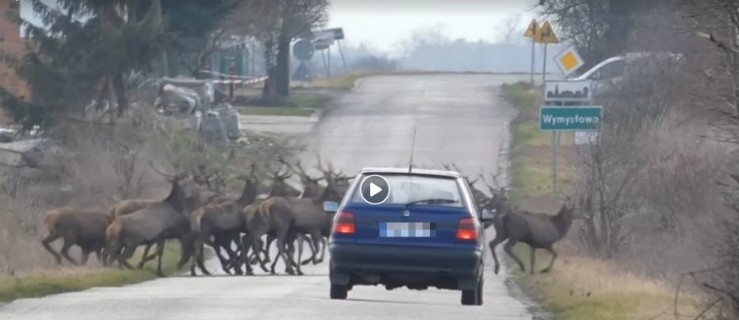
pixel 383 23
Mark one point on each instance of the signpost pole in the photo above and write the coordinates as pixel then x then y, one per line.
pixel 554 162
pixel 232 78
pixel 544 69
pixel 532 32
pixel 328 54
pixel 341 52
pixel 533 57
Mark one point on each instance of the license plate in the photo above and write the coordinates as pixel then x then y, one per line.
pixel 406 230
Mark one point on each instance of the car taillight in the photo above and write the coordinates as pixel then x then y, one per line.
pixel 344 223
pixel 466 229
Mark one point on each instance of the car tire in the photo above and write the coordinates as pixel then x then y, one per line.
pixel 339 292
pixel 469 297
pixel 479 292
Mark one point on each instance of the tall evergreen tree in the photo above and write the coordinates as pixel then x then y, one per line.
pixel 84 51
pixel 196 28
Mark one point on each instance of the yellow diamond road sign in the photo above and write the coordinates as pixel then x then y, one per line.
pixel 545 34
pixel 532 29
pixel 568 61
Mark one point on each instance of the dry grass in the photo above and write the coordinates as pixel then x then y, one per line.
pixel 26 269
pixel 586 288
pixel 579 287
pixel 40 282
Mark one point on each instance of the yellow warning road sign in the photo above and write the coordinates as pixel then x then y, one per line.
pixel 546 34
pixel 532 29
pixel 568 61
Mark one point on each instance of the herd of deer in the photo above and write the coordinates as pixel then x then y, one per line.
pixel 237 225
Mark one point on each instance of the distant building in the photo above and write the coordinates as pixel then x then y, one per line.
pixel 11 43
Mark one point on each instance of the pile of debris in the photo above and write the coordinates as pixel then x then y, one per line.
pixel 194 101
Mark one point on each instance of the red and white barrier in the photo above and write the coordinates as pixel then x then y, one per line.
pixel 241 81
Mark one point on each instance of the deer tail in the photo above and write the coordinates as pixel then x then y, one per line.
pixel 113 232
pixel 50 222
pixel 197 216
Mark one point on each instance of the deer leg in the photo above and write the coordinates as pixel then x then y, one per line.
pixel 494 243
pixel 312 248
pixel 47 245
pixel 146 257
pixel 256 256
pixel 533 259
pixel 197 258
pixel 301 241
pixel 226 261
pixel 270 239
pixel 324 244
pixel 217 248
pixel 509 250
pixel 551 263
pixel 217 243
pixel 65 252
pixel 193 262
pixel 315 238
pixel 230 263
pixel 281 238
pixel 245 246
pixel 160 253
pixel 233 255
pixel 85 256
pixel 99 256
pixel 187 246
pixel 291 252
pixel 257 247
pixel 123 257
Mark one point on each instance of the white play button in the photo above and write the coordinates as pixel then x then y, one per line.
pixel 374 189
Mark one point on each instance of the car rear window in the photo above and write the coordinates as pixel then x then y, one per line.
pixel 408 188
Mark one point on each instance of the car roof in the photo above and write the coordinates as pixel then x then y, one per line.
pixel 414 171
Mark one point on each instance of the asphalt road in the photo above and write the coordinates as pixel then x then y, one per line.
pixel 458 118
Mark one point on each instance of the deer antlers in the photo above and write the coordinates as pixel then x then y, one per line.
pixel 330 175
pixel 454 167
pixel 276 173
pixel 298 168
pixel 493 186
pixel 171 177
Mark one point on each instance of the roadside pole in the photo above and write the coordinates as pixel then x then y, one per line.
pixel 545 34
pixel 232 82
pixel 531 32
pixel 544 68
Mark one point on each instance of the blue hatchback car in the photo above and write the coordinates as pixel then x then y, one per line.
pixel 414 229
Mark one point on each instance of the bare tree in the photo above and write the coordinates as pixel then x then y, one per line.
pixel 507 30
pixel 433 35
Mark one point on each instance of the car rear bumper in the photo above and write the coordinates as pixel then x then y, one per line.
pixel 404 265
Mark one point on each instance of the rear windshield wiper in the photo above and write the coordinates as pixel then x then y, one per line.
pixel 431 201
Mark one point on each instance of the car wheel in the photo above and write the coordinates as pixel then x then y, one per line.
pixel 339 292
pixel 479 292
pixel 469 297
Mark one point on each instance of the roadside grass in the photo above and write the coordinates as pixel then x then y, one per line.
pixel 342 82
pixel 302 104
pixel 39 283
pixel 578 287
